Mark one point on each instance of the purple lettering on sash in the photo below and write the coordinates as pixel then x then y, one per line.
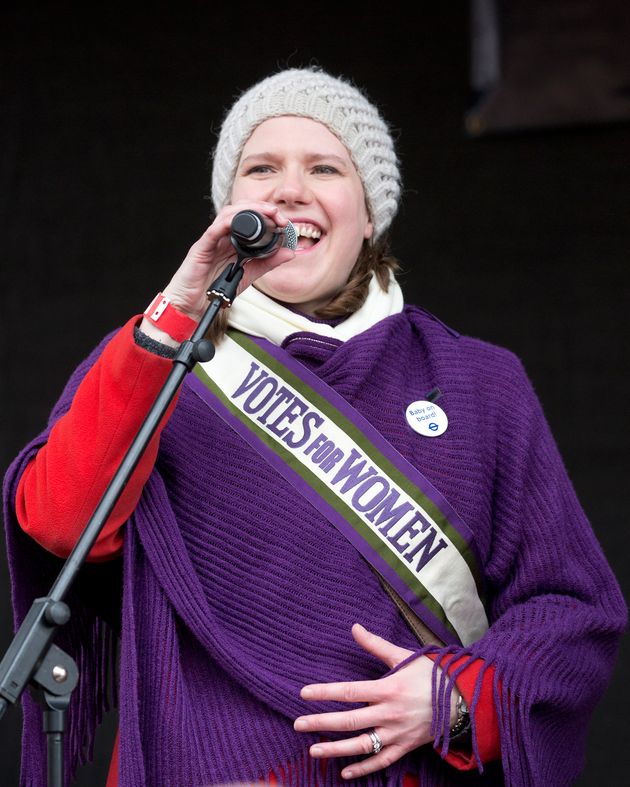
pixel 319 440
pixel 250 405
pixel 323 451
pixel 425 545
pixel 308 427
pixel 364 488
pixel 387 514
pixel 282 395
pixel 352 472
pixel 248 382
pixel 331 460
pixel 290 413
pixel 402 534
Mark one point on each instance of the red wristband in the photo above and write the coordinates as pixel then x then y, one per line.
pixel 167 318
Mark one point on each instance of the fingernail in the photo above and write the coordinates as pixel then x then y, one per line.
pixel 306 693
pixel 316 751
pixel 347 774
pixel 300 724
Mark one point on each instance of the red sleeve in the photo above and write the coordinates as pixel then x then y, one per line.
pixel 64 482
pixel 486 721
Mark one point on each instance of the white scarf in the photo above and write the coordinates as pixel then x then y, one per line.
pixel 255 313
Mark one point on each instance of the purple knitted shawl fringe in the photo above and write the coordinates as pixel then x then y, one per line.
pixel 197 705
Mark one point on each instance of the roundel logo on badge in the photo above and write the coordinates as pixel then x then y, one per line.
pixel 426 418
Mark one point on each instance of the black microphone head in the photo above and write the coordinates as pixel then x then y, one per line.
pixel 255 236
pixel 248 226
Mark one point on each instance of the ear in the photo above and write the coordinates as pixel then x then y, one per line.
pixel 369 230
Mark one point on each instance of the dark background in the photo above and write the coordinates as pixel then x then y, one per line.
pixel 519 237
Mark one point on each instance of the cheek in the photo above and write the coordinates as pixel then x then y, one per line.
pixel 354 211
pixel 355 226
pixel 245 189
pixel 236 194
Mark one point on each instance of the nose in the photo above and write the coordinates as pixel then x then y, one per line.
pixel 292 188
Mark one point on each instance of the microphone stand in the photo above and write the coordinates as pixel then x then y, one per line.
pixel 32 659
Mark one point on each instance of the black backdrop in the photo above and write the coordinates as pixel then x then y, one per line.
pixel 520 239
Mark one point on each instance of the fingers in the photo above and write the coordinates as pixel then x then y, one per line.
pixel 381 648
pixel 361 745
pixel 348 691
pixel 383 759
pixel 221 226
pixel 394 711
pixel 341 721
pixel 211 253
pixel 216 241
pixel 215 246
pixel 350 747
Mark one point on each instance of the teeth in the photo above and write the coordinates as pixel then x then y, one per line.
pixel 307 231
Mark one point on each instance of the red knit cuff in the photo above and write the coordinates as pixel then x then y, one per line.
pixel 486 721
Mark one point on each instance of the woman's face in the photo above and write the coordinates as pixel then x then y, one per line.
pixel 300 166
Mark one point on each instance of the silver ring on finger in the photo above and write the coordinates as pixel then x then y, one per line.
pixel 377 743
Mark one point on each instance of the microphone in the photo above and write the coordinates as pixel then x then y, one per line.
pixel 254 235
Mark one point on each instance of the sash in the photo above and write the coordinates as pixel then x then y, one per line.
pixel 404 527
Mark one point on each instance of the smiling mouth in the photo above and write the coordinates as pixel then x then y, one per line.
pixel 308 236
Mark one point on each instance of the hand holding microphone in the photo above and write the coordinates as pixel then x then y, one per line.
pixel 258 233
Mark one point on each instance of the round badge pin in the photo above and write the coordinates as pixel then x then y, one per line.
pixel 426 418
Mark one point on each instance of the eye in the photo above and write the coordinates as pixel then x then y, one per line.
pixel 325 169
pixel 259 169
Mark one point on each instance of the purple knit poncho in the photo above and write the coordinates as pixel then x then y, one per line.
pixel 237 592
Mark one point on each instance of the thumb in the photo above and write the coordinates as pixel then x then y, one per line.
pixel 381 648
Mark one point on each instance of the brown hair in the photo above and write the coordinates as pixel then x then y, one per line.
pixel 373 258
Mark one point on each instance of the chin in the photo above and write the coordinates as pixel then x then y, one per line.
pixel 283 286
pixel 292 297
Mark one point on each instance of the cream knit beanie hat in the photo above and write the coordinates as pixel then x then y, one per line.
pixel 341 107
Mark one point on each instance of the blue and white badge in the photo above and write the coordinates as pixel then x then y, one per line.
pixel 426 418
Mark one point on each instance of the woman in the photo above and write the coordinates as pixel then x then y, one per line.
pixel 307 480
